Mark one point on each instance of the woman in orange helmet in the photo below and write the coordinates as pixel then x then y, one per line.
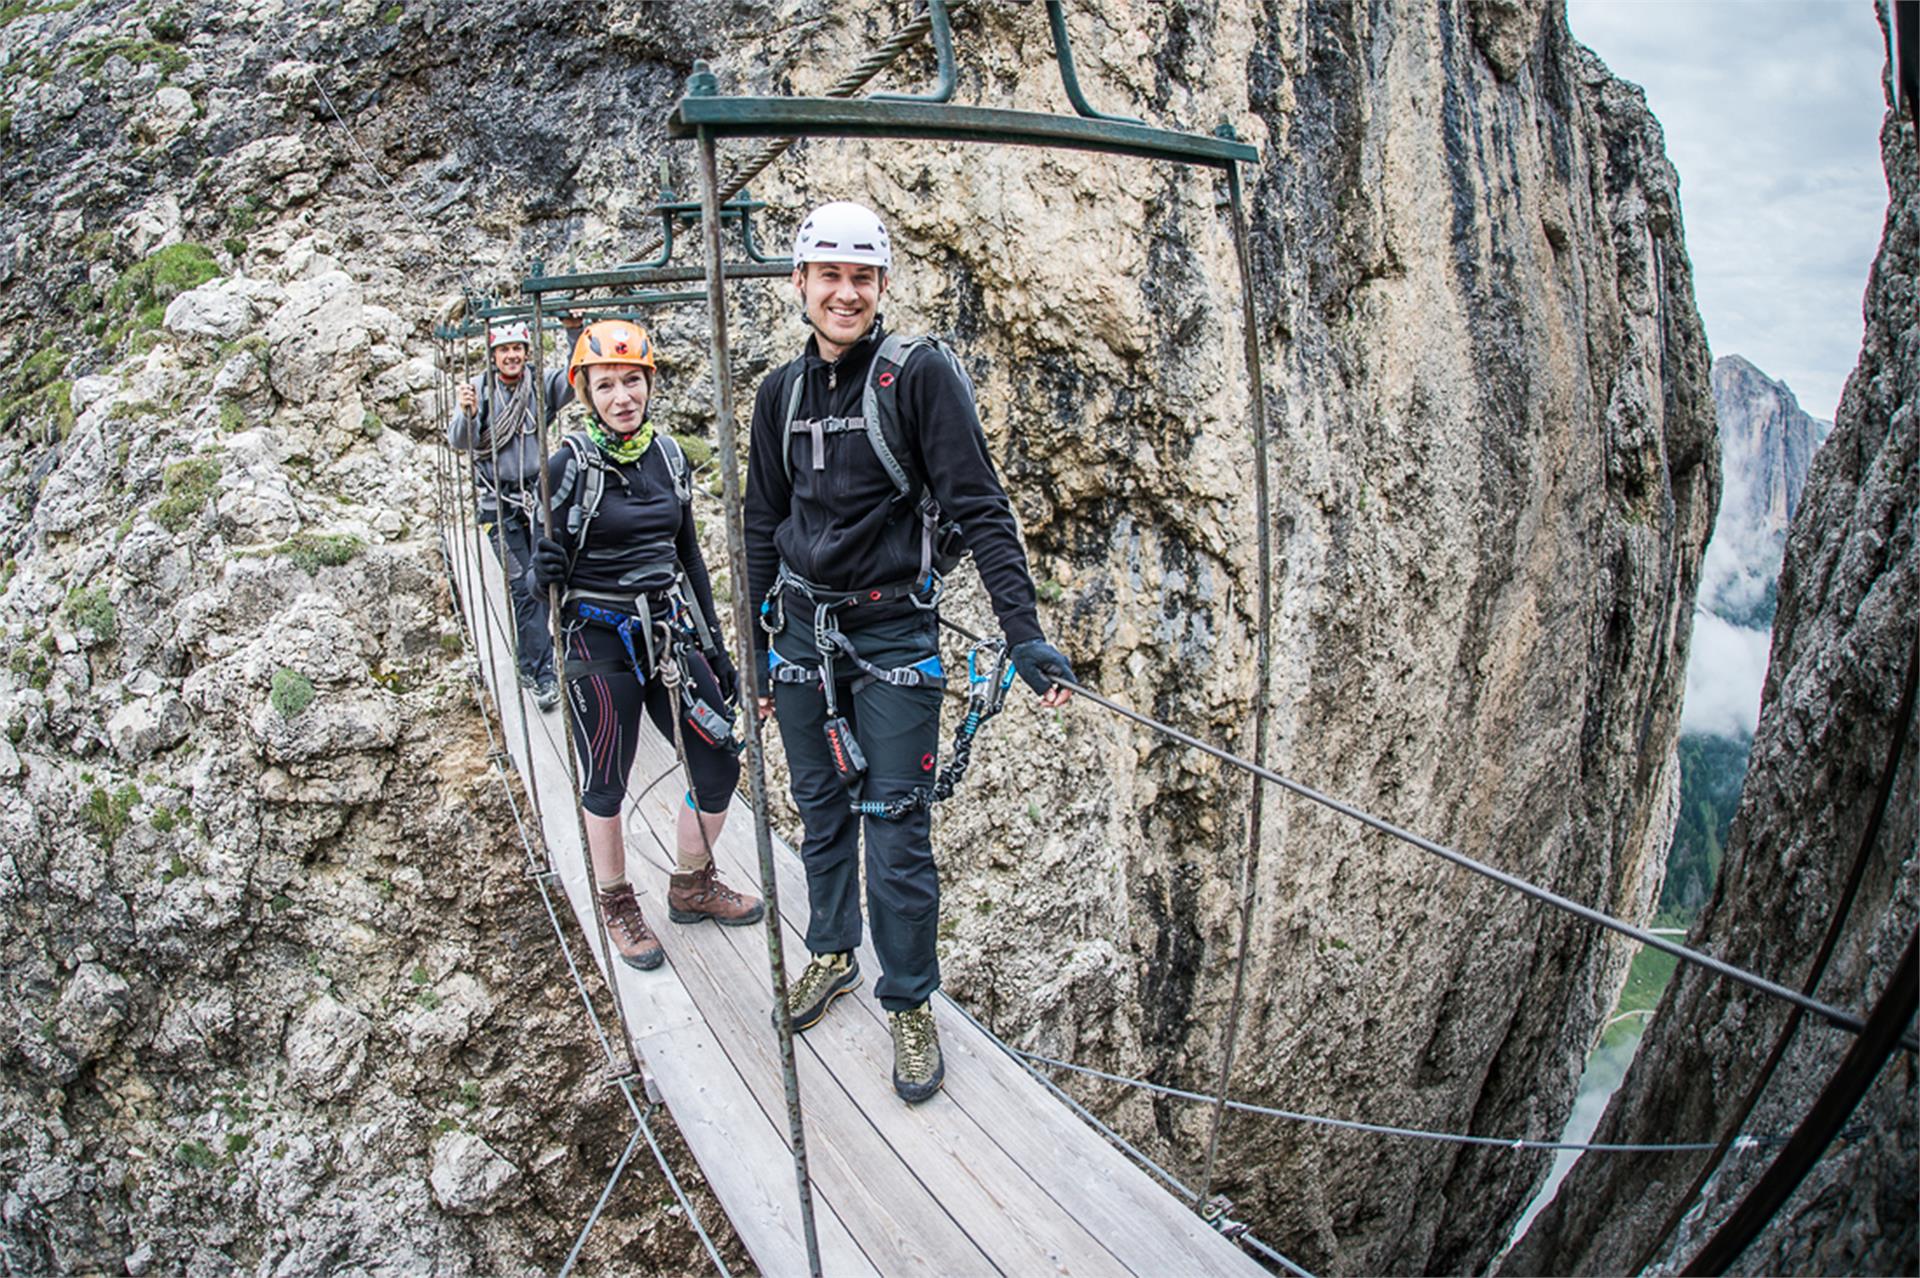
pixel 638 616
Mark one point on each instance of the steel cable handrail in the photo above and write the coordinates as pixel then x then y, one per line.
pixel 1826 1011
pixel 1120 1142
pixel 1388 1129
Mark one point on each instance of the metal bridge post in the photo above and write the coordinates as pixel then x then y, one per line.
pixel 1257 415
pixel 725 440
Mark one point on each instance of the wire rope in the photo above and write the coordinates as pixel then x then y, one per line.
pixel 1385 1129
pixel 1832 1015
pixel 1120 1142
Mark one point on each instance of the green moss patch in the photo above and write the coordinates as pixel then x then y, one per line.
pixel 311 552
pixel 107 812
pixel 92 55
pixel 137 301
pixel 39 393
pixel 184 490
pixel 291 693
pixel 89 609
pixel 699 452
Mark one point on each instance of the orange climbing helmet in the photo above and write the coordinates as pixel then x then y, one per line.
pixel 611 341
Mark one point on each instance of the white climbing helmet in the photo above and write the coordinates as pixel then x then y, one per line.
pixel 843 232
pixel 516 332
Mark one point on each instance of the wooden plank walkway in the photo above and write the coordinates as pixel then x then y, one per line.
pixel 991 1176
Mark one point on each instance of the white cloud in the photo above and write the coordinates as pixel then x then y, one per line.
pixel 1725 670
pixel 1743 557
pixel 1772 112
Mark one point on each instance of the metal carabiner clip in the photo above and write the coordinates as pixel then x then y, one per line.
pixel 991 689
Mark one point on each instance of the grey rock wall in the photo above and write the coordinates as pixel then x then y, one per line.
pixel 1494 467
pixel 1763 426
pixel 1767 444
pixel 1849 596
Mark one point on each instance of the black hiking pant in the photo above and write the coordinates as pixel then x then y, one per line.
pixel 508 529
pixel 899 732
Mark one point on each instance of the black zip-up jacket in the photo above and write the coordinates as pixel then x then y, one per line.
pixel 841 527
pixel 642 526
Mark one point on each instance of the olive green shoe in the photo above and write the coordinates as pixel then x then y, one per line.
pixel 827 977
pixel 918 1069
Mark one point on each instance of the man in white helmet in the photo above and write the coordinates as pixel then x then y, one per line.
pixel 868 468
pixel 497 413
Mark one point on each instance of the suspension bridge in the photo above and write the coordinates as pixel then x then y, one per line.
pixel 993 1175
pixel 1002 1172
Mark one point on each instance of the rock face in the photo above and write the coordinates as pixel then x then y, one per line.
pixel 1766 448
pixel 1494 467
pixel 1820 774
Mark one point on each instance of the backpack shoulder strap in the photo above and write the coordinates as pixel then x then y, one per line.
pixel 676 465
pixel 880 405
pixel 791 391
pixel 593 486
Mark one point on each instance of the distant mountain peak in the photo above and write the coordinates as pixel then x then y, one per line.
pixel 1767 442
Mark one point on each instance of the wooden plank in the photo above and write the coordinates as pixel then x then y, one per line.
pixel 940 1148
pixel 739 1149
pixel 921 1151
pixel 902 1229
pixel 1132 1215
pixel 746 1161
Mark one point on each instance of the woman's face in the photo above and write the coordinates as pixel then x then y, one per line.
pixel 618 393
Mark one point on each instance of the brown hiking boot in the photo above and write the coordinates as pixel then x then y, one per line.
pixel 701 895
pixel 632 938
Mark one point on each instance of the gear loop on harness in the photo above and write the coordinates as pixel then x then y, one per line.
pixel 670 641
pixel 986 695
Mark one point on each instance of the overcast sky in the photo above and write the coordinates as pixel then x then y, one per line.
pixel 1772 114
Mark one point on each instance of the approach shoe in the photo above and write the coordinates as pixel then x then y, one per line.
pixel 546 691
pixel 827 977
pixel 701 895
pixel 632 938
pixel 918 1070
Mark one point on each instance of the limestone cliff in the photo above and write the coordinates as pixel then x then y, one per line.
pixel 1767 444
pixel 1494 469
pixel 1842 644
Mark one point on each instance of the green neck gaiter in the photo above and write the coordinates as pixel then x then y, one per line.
pixel 624 451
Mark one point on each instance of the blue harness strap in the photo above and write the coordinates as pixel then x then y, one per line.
pixel 622 624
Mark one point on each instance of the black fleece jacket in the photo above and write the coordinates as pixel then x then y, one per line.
pixel 841 527
pixel 642 525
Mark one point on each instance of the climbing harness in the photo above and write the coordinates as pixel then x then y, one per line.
pixel 942 545
pixel 989 676
pixel 673 646
pixel 849 761
pixel 986 694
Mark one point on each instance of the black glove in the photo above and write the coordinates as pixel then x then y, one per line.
pixel 725 675
pixel 550 565
pixel 1041 664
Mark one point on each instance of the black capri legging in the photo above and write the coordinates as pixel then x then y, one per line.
pixel 606 726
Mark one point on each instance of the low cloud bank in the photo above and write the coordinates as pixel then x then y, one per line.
pixel 1724 676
